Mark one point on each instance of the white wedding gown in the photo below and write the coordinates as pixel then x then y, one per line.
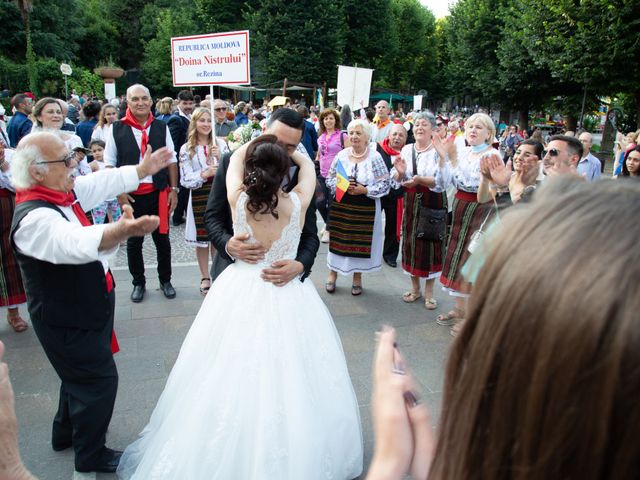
pixel 260 389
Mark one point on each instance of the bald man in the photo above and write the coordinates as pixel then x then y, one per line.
pixel 383 123
pixel 589 165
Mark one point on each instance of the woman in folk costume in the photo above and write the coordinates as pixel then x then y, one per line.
pixel 468 214
pixel 355 220
pixel 198 161
pixel 12 292
pixel 424 173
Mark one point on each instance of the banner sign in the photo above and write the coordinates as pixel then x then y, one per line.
pixel 212 59
pixel 354 85
pixel 417 103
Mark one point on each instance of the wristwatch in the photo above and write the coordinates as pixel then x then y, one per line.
pixel 175 189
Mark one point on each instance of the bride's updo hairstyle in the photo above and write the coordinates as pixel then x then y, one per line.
pixel 266 164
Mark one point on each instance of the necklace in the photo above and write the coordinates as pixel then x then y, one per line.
pixel 360 155
pixel 427 148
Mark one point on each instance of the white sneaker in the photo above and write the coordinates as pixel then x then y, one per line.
pixel 325 237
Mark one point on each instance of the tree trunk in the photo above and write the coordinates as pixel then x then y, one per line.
pixel 505 116
pixel 523 119
pixel 637 97
pixel 31 59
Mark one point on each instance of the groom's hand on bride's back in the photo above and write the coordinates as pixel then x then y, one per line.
pixel 238 248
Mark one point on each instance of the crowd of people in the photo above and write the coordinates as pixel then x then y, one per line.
pixel 459 206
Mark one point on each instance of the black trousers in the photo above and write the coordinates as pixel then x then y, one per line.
pixel 391 245
pixel 148 205
pixel 183 202
pixel 84 362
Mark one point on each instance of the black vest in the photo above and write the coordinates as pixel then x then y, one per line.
pixel 129 152
pixel 71 296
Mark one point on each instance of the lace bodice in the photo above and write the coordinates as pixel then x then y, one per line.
pixel 286 246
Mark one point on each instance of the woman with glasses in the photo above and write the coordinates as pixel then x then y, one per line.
pixel 331 141
pixel 468 214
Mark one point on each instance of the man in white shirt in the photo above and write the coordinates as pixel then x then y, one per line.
pixel 126 143
pixel 69 287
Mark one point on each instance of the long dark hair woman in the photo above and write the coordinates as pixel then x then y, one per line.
pixel 631 164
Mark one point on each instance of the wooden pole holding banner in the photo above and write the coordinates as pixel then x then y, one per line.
pixel 284 87
pixel 213 118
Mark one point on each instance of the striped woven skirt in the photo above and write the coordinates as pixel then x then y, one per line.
pixel 351 226
pixel 468 216
pixel 198 205
pixel 420 258
pixel 11 288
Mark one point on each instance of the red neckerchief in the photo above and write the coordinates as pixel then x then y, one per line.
pixel 62 199
pixel 387 148
pixel 130 120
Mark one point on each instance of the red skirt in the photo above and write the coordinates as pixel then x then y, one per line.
pixel 420 258
pixel 11 288
pixel 468 216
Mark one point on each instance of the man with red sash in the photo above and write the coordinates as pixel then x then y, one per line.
pixel 69 287
pixel 126 144
pixel 389 148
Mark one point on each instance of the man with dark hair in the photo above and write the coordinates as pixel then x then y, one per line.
pixel 178 125
pixel 84 129
pixel 310 136
pixel 563 155
pixel 127 142
pixel 288 126
pixel 19 125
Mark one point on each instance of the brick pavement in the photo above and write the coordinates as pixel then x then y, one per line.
pixel 151 333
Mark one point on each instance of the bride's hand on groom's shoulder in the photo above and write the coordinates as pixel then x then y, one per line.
pixel 240 249
pixel 282 272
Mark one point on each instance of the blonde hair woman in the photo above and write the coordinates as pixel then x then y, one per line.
pixel 108 115
pixel 198 161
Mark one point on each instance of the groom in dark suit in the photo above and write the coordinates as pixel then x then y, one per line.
pixel 288 126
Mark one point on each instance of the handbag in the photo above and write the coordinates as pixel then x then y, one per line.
pixel 432 222
pixel 478 236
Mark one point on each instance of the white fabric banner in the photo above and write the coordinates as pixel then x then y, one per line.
pixel 354 85
pixel 109 91
pixel 417 103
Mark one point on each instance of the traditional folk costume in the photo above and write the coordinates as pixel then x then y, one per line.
pixel 356 221
pixel 12 292
pixel 421 258
pixel 190 169
pixel 468 216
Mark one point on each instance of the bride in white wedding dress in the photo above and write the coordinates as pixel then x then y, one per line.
pixel 260 389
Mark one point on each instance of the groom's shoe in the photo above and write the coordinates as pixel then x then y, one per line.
pixel 168 290
pixel 138 293
pixel 108 463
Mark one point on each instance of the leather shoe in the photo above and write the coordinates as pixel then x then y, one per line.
pixel 108 462
pixel 138 293
pixel 391 262
pixel 168 290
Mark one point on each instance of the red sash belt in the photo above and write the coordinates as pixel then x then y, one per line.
pixel 466 196
pixel 163 203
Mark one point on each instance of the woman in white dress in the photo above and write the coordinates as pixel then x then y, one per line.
pixel 260 389
pixel 356 246
pixel 198 161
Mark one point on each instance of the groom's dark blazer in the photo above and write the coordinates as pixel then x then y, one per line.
pixel 219 224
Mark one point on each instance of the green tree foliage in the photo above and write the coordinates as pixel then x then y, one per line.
pixel 297 40
pixel 221 15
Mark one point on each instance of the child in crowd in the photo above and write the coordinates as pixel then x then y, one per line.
pixel 109 207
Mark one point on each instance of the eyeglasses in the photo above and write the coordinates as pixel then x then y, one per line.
pixel 553 152
pixel 439 124
pixel 220 109
pixel 67 159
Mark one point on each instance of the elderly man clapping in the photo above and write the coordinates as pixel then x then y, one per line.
pixel 68 283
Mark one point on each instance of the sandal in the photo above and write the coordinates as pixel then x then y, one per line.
pixel 356 290
pixel 450 318
pixel 15 320
pixel 410 297
pixel 430 304
pixel 330 287
pixel 205 289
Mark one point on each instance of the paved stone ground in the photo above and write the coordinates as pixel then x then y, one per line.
pixel 150 335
